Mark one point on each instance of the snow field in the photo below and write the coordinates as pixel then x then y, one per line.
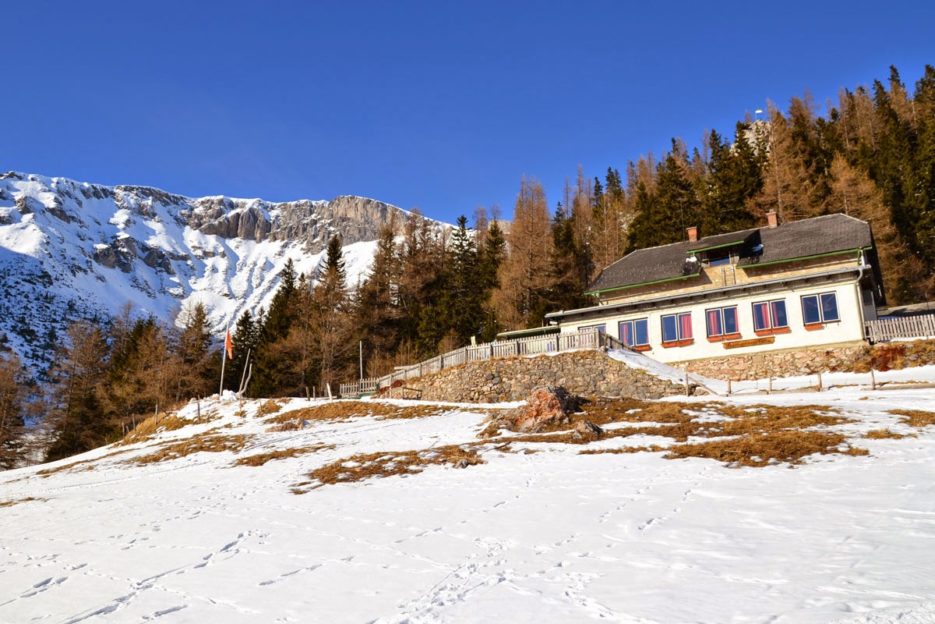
pixel 551 536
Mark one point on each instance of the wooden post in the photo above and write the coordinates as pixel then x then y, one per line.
pixel 729 387
pixel 687 389
pixel 819 382
pixel 769 388
pixel 873 379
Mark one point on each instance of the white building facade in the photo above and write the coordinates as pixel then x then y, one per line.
pixel 709 298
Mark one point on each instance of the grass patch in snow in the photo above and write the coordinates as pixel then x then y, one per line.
pixel 18 501
pixel 154 425
pixel 205 443
pixel 755 435
pixel 376 465
pixel 260 459
pixel 623 450
pixel 84 465
pixel 268 407
pixel 915 418
pixel 763 449
pixel 886 434
pixel 344 410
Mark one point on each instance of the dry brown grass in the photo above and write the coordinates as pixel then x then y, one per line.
pixel 18 501
pixel 344 410
pixel 652 448
pixel 915 418
pixel 78 466
pixel 378 465
pixel 261 459
pixel 680 421
pixel 207 442
pixel 268 407
pixel 752 435
pixel 154 425
pixel 762 449
pixel 885 434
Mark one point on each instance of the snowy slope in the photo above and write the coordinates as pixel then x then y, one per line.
pixel 552 536
pixel 71 250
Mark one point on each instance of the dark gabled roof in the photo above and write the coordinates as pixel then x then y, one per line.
pixel 723 240
pixel 798 239
pixel 812 237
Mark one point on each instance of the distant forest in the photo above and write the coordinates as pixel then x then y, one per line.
pixel 871 155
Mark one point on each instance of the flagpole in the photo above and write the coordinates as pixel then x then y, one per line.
pixel 223 361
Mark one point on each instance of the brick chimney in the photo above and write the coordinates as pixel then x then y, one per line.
pixel 692 234
pixel 771 219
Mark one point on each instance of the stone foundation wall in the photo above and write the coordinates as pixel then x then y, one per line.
pixel 850 357
pixel 585 373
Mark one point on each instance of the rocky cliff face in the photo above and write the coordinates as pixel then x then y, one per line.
pixel 72 250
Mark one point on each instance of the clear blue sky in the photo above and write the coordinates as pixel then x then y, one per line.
pixel 421 104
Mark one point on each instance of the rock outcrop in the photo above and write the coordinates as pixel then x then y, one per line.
pixel 545 407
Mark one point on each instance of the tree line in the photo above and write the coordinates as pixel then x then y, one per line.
pixel 433 288
pixel 106 378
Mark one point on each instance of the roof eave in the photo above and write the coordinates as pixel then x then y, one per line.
pixel 701 294
pixel 756 265
pixel 600 291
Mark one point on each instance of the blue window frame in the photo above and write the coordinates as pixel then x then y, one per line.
pixel 634 333
pixel 821 308
pixel 769 315
pixel 721 321
pixel 677 327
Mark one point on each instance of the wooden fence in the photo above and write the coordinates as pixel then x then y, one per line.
pixel 357 388
pixel 901 327
pixel 555 343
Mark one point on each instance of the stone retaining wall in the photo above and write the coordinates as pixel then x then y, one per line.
pixel 585 373
pixel 849 357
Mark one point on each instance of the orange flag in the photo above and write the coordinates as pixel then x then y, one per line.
pixel 229 344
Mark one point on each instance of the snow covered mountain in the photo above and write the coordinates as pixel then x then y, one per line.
pixel 71 250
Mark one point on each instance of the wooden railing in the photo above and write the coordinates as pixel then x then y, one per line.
pixel 901 327
pixel 357 388
pixel 555 343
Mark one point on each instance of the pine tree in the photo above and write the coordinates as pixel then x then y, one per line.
pixel 332 314
pixel 194 353
pixel 281 311
pixel 854 194
pixel 79 422
pixel 269 368
pixel 609 239
pixel 12 396
pixel 491 257
pixel 733 178
pixel 567 280
pixel 465 290
pixel 785 186
pixel 421 289
pixel 663 216
pixel 524 275
pixel 377 311
pixel 245 338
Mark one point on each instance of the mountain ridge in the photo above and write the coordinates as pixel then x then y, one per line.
pixel 72 250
